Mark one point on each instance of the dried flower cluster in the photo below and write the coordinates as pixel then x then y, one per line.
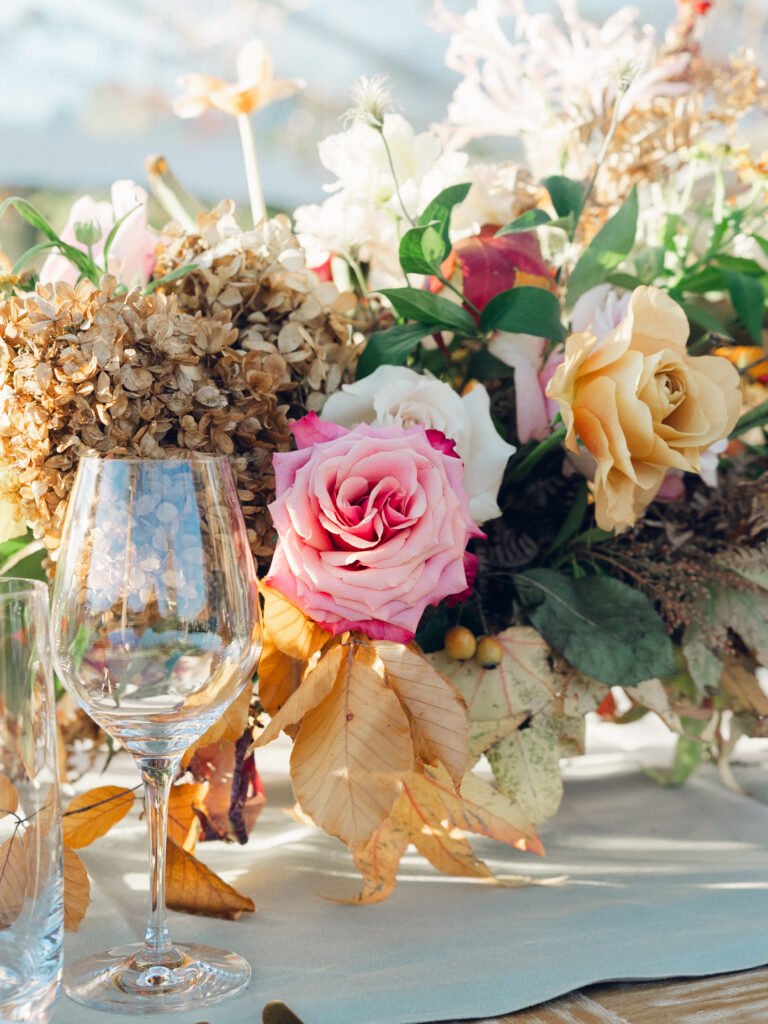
pixel 276 304
pixel 86 369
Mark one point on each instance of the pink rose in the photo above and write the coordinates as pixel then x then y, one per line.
pixel 132 252
pixel 372 524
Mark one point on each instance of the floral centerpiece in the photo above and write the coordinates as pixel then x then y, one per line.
pixel 498 430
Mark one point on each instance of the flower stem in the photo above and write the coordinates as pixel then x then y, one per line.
pixel 408 217
pixel 258 208
pixel 532 459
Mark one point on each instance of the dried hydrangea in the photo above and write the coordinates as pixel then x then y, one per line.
pixel 86 369
pixel 277 305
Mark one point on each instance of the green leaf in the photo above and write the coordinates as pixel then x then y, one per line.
pixel 33 216
pixel 649 264
pixel 566 194
pixel 756 417
pixel 530 219
pixel 526 767
pixel 603 627
pixel 574 519
pixel 748 300
pixel 710 279
pixel 421 305
pixel 762 242
pixel 440 209
pixel 688 754
pixel 702 317
pixel 172 275
pixel 23 557
pixel 524 310
pixel 112 232
pixel 422 250
pixel 740 265
pixel 704 666
pixel 607 249
pixel 621 280
pixel 391 347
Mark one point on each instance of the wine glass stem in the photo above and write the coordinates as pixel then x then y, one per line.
pixel 158 774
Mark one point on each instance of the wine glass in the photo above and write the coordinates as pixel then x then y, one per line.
pixel 156 629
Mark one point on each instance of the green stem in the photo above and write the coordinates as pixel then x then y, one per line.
pixel 391 163
pixel 532 459
pixel 258 207
pixel 354 266
pixel 456 291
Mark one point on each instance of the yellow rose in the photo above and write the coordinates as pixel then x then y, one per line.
pixel 641 405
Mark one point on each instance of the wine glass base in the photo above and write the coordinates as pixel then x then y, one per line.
pixel 122 981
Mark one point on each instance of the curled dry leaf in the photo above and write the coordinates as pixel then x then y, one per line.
pixel 288 627
pixel 235 795
pixel 436 709
pixel 193 888
pixel 77 889
pixel 92 814
pixel 352 749
pixel 279 676
pixel 315 687
pixel 229 727
pixel 13 878
pixel 9 798
pixel 183 822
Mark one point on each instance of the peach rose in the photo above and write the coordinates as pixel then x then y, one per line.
pixel 641 405
pixel 372 524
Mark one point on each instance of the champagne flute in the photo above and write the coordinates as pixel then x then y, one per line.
pixel 156 629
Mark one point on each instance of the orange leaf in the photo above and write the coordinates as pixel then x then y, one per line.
pixel 230 726
pixel 93 814
pixel 288 627
pixel 193 888
pixel 379 860
pixel 436 707
pixel 183 823
pixel 352 749
pixel 9 798
pixel 13 879
pixel 77 889
pixel 315 687
pixel 279 676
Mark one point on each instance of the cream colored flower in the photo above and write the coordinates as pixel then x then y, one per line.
pixel 255 87
pixel 641 405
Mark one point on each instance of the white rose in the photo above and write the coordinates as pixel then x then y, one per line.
pixel 599 310
pixel 397 396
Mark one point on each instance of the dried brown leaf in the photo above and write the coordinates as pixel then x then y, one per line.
pixel 183 822
pixel 13 879
pixel 193 888
pixel 9 798
pixel 77 889
pixel 92 814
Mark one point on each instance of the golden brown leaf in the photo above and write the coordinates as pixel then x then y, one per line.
pixel 288 627
pixel 352 750
pixel 13 879
pixel 9 798
pixel 437 710
pixel 315 687
pixel 92 814
pixel 740 684
pixel 279 676
pixel 77 889
pixel 229 727
pixel 235 795
pixel 183 823
pixel 193 888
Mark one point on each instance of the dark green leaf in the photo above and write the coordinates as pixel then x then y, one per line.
pixel 649 264
pixel 485 366
pixel 524 310
pixel 748 300
pixel 702 317
pixel 710 279
pixel 566 194
pixel 391 347
pixel 529 220
pixel 762 242
pixel 172 275
pixel 421 305
pixel 604 628
pixel 607 249
pixel 740 266
pixel 574 519
pixel 621 280
pixel 422 250
pixel 756 417
pixel 440 209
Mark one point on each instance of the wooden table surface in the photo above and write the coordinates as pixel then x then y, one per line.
pixel 722 999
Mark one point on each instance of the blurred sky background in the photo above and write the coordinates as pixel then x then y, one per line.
pixel 86 85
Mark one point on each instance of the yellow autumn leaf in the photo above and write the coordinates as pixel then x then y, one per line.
pixel 437 710
pixel 229 727
pixel 288 627
pixel 739 682
pixel 92 814
pixel 77 889
pixel 352 750
pixel 485 811
pixel 183 823
pixel 193 888
pixel 13 879
pixel 315 687
pixel 9 798
pixel 279 676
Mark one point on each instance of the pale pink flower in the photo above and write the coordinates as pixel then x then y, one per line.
pixel 524 353
pixel 132 252
pixel 373 525
pixel 600 310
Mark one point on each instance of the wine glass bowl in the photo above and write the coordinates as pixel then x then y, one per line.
pixel 156 630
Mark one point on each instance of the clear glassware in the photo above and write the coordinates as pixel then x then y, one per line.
pixel 156 629
pixel 31 907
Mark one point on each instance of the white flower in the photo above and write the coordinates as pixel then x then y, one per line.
pixel 397 396
pixel 600 310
